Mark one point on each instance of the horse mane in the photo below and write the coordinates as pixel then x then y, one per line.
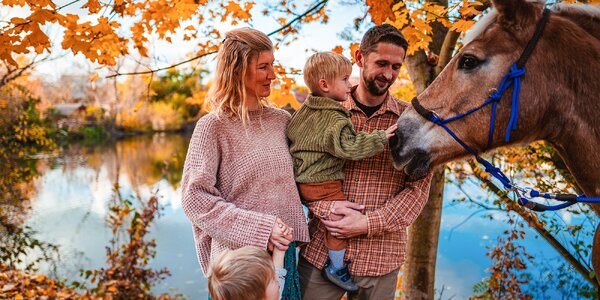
pixel 586 16
pixel 480 26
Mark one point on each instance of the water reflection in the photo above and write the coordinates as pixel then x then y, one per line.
pixel 73 195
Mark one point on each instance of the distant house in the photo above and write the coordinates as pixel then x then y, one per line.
pixel 67 115
pixel 68 109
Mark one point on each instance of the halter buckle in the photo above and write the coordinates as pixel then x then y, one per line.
pixel 435 118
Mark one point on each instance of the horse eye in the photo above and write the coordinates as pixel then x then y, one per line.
pixel 468 62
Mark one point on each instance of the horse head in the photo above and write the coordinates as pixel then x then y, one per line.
pixel 550 96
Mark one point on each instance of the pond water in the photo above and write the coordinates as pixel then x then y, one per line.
pixel 74 189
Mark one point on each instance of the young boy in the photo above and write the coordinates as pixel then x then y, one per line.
pixel 321 138
pixel 247 273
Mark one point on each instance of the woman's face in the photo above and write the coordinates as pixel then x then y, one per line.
pixel 259 76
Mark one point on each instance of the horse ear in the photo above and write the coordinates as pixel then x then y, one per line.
pixel 508 9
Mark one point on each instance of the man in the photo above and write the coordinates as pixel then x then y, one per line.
pixel 383 202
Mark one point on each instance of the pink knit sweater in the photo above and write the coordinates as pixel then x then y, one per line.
pixel 236 182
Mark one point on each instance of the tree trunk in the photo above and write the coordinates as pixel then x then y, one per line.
pixel 419 269
pixel 418 280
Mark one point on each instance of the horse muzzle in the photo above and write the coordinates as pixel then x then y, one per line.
pixel 406 153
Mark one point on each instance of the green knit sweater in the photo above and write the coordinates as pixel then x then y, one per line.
pixel 322 137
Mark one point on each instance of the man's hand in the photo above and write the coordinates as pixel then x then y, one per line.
pixel 340 205
pixel 353 223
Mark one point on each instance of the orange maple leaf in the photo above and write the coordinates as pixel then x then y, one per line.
pixel 380 10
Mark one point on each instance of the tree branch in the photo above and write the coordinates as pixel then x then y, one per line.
pixel 318 6
pixel 447 50
pixel 12 74
pixel 68 4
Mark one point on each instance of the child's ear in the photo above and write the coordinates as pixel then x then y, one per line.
pixel 323 85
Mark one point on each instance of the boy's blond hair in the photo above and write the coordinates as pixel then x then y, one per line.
pixel 324 65
pixel 241 274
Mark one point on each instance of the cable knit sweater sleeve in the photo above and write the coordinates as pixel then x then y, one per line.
pixel 203 203
pixel 349 144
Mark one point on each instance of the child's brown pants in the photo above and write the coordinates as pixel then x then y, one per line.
pixel 325 191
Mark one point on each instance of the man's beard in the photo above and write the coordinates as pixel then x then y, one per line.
pixel 373 88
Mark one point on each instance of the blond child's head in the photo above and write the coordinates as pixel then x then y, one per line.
pixel 326 74
pixel 245 273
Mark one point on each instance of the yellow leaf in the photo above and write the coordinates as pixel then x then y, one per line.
pixel 400 19
pixel 445 22
pixel 338 49
pixel 380 10
pixel 14 2
pixel 93 6
pixel 94 77
pixel 236 11
pixel 39 278
pixel 421 25
pixel 353 48
pixel 462 25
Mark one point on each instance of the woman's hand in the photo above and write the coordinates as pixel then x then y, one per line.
pixel 281 236
pixel 389 133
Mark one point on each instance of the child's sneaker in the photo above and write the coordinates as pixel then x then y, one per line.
pixel 339 277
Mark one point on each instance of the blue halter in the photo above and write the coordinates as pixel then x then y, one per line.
pixel 512 78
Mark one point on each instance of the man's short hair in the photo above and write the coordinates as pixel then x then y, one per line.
pixel 324 65
pixel 241 274
pixel 384 33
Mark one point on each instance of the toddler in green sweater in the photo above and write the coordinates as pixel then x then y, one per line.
pixel 322 138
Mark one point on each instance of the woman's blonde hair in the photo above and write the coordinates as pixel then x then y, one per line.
pixel 228 92
pixel 241 274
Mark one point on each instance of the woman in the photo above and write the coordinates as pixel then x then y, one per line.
pixel 238 184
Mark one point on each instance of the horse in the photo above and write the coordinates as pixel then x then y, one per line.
pixel 559 95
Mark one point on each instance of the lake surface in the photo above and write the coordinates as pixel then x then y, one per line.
pixel 73 191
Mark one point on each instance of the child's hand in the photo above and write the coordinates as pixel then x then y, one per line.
pixel 389 133
pixel 281 236
pixel 278 257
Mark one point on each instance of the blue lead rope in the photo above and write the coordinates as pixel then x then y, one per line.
pixel 513 77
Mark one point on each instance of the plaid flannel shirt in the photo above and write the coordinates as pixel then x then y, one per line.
pixel 392 202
